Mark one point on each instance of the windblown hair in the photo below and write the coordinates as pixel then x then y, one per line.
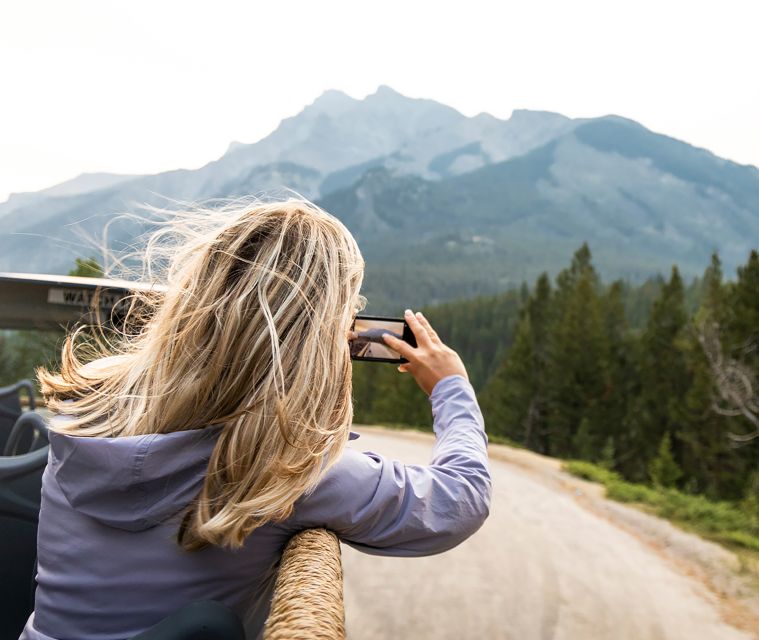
pixel 249 334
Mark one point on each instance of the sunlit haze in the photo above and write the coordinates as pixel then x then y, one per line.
pixel 142 87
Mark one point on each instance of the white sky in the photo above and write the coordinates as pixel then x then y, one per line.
pixel 144 86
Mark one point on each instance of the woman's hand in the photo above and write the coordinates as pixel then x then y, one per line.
pixel 431 360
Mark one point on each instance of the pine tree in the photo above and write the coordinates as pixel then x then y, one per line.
pixel 584 442
pixel 513 401
pixel 742 322
pixel 397 399
pixel 578 360
pixel 663 469
pixel 741 341
pixel 708 460
pixel 608 458
pixel 664 378
pixel 623 378
pixel 362 397
pixel 508 393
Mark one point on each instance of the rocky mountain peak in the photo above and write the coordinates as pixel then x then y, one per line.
pixel 332 102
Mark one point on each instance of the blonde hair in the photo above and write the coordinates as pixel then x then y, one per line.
pixel 249 334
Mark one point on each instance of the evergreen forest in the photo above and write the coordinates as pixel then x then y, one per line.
pixel 656 382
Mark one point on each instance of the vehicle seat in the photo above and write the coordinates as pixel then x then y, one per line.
pixel 207 620
pixel 20 487
pixel 10 407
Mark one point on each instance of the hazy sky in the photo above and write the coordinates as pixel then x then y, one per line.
pixel 141 87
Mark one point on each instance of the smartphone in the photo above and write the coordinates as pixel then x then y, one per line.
pixel 368 344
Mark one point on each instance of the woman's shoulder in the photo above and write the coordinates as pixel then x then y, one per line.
pixel 353 474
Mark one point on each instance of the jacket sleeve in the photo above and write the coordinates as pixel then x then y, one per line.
pixel 384 507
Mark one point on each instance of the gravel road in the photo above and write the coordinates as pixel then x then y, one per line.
pixel 543 566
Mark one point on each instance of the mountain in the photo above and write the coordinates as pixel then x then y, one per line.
pixel 83 183
pixel 326 147
pixel 444 205
pixel 642 201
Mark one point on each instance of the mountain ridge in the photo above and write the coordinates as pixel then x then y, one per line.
pixel 499 197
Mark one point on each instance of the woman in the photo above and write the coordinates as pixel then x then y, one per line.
pixel 186 453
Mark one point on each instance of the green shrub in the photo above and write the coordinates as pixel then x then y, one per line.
pixel 629 492
pixel 721 521
pixel 590 471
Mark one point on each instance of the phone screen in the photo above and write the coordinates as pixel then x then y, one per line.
pixel 367 344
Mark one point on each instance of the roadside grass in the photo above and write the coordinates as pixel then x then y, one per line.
pixel 728 523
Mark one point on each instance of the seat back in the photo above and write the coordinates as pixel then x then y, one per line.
pixel 20 487
pixel 207 620
pixel 10 407
pixel 28 434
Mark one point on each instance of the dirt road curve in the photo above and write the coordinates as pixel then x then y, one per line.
pixel 543 566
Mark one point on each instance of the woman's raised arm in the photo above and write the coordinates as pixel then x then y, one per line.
pixel 385 507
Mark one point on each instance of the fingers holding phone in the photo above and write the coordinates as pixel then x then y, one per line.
pixel 431 360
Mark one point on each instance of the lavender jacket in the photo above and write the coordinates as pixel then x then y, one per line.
pixel 108 563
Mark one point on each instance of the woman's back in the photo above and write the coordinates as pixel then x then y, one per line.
pixel 109 565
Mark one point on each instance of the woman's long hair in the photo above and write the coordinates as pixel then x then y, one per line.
pixel 249 334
